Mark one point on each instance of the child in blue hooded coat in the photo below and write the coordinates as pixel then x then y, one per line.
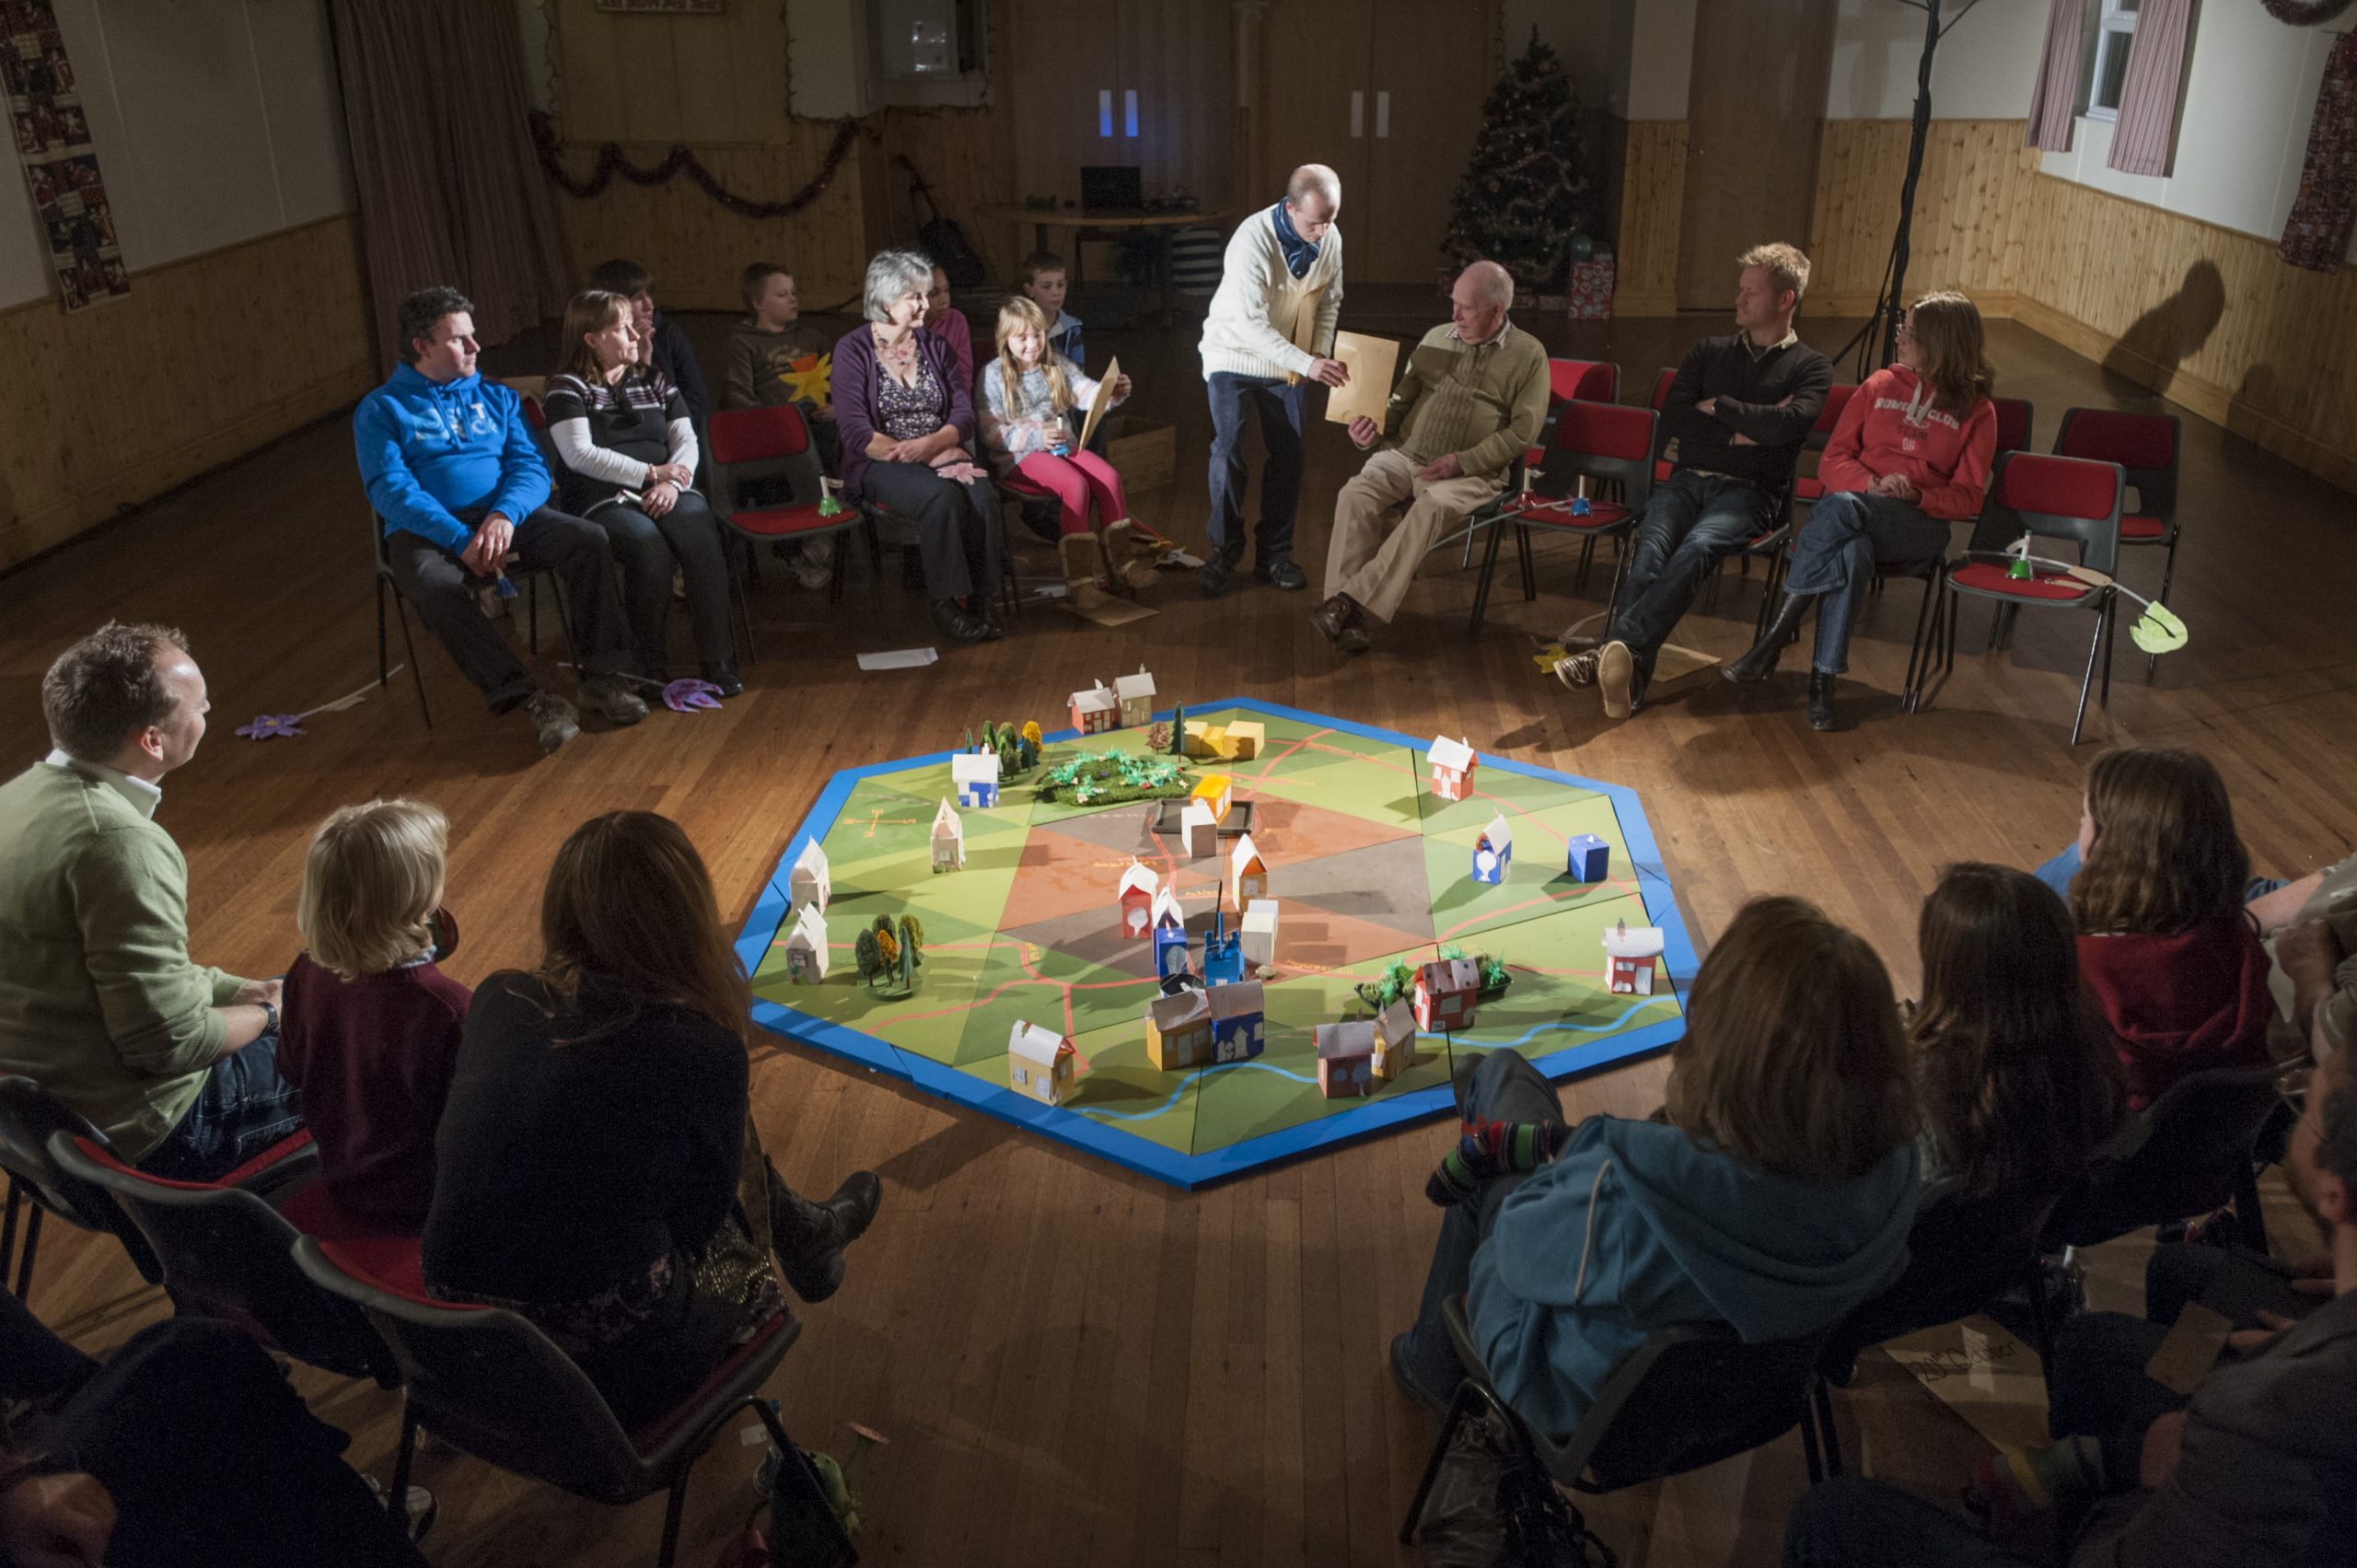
pixel 1775 1196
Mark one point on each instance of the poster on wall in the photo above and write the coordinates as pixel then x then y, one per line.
pixel 61 168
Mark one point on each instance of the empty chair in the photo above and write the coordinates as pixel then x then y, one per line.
pixel 1600 441
pixel 750 445
pixel 2145 447
pixel 228 1254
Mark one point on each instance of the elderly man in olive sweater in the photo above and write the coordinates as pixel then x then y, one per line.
pixel 1471 402
pixel 100 1002
pixel 1739 410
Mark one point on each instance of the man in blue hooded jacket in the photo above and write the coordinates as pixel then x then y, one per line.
pixel 458 486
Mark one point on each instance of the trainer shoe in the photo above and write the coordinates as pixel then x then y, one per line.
pixel 1283 572
pixel 1615 672
pixel 1216 576
pixel 419 1506
pixel 554 718
pixel 1577 671
pixel 610 698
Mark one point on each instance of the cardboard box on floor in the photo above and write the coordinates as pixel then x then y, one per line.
pixel 1144 454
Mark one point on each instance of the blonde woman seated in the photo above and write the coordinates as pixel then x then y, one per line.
pixel 1028 393
pixel 371 1029
pixel 625 459
pixel 598 1171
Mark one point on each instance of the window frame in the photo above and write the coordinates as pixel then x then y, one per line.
pixel 2111 24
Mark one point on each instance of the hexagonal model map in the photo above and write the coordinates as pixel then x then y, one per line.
pixel 1369 868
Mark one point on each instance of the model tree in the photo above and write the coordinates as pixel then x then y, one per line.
pixel 912 951
pixel 1031 740
pixel 869 957
pixel 1179 732
pixel 1525 194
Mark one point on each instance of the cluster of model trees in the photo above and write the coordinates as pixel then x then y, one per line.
pixel 1017 749
pixel 884 954
pixel 1400 980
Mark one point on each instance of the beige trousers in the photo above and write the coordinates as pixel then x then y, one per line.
pixel 1373 560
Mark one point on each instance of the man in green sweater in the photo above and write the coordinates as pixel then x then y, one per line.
pixel 1471 401
pixel 100 1002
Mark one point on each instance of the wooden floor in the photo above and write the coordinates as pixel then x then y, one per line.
pixel 1076 1365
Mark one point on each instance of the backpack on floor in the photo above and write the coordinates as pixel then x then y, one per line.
pixel 1493 1505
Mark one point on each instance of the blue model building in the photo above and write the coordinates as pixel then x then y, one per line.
pixel 1588 859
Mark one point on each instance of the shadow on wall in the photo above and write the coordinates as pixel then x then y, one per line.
pixel 2146 356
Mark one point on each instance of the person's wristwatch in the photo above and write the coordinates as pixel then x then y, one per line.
pixel 269 1019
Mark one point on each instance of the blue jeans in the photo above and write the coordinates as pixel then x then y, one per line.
pixel 1502 1086
pixel 1279 405
pixel 244 1108
pixel 1692 524
pixel 1847 535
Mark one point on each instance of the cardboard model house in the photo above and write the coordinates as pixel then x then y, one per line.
pixel 806 947
pixel 1198 830
pixel 1179 1030
pixel 1453 763
pixel 1493 851
pixel 1236 1020
pixel 1248 874
pixel 1448 992
pixel 1216 791
pixel 1094 711
pixel 1261 932
pixel 809 883
pixel 976 776
pixel 1135 695
pixel 1588 858
pixel 1395 1042
pixel 1038 1062
pixel 949 838
pixel 1168 922
pixel 1631 958
pixel 1135 896
pixel 1345 1058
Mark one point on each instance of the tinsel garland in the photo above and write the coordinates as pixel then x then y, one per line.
pixel 680 160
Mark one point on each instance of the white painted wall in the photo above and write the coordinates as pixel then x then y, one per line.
pixel 1984 69
pixel 1661 59
pixel 2251 96
pixel 214 122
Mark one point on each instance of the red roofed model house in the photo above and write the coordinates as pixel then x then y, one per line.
pixel 1453 764
pixel 1446 990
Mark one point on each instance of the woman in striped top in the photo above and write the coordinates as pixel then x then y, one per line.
pixel 625 459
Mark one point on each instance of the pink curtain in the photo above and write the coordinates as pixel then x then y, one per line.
pixel 2144 142
pixel 2056 98
pixel 450 187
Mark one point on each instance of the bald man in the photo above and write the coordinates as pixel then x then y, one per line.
pixel 1472 399
pixel 1282 274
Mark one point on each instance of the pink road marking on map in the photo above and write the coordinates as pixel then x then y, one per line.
pixel 1618 883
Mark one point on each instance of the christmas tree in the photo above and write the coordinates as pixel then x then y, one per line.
pixel 1525 195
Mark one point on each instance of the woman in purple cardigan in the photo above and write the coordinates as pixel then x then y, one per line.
pixel 906 419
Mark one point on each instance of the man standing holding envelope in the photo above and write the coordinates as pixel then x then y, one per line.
pixel 1472 400
pixel 1270 329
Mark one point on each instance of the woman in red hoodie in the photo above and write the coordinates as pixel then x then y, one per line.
pixel 2165 947
pixel 1910 455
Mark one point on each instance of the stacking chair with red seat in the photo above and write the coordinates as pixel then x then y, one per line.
pixel 2145 447
pixel 490 1382
pixel 2015 419
pixel 226 1253
pixel 754 444
pixel 1601 441
pixel 2065 498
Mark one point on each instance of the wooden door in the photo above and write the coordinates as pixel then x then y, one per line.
pixel 1432 69
pixel 1065 54
pixel 1754 113
pixel 1178 60
pixel 1315 57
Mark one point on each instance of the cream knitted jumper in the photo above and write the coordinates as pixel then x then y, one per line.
pixel 1249 331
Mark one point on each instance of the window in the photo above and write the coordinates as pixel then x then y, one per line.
pixel 2115 29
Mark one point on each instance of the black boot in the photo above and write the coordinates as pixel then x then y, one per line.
pixel 1821 701
pixel 810 1238
pixel 1761 662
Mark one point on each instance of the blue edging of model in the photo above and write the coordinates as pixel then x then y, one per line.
pixel 1075 1127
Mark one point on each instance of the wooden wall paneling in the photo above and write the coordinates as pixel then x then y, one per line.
pixel 193 367
pixel 695 247
pixel 1178 58
pixel 2208 317
pixel 1972 212
pixel 1314 55
pixel 1758 97
pixel 1063 53
pixel 1653 200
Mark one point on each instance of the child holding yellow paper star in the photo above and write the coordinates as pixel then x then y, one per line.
pixel 773 356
